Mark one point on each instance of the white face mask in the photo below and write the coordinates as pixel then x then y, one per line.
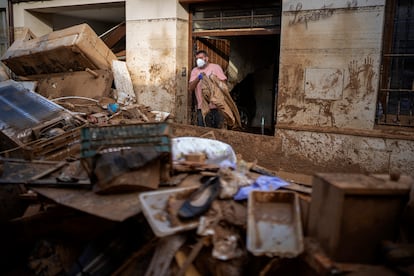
pixel 200 62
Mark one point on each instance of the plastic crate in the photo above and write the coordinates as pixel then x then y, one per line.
pixel 95 139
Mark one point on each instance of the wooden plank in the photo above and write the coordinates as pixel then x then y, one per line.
pixel 189 269
pixel 23 33
pixel 186 267
pixel 116 35
pixel 297 188
pixel 303 179
pixel 48 171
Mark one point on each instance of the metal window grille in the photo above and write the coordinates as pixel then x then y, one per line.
pixel 396 98
pixel 221 18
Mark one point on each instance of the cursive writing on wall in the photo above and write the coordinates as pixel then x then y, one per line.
pixel 303 17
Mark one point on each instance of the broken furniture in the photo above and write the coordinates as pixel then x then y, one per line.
pixel 351 214
pixel 68 62
pixel 33 127
pixel 88 83
pixel 71 49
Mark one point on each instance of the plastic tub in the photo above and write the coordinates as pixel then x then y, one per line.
pixel 154 206
pixel 274 225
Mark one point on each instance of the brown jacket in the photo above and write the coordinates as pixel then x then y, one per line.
pixel 216 91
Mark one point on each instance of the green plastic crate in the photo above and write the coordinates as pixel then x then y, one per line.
pixel 94 139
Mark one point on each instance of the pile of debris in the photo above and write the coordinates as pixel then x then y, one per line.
pixel 63 81
pixel 189 193
pixel 94 183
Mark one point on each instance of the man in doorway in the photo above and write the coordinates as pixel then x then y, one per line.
pixel 208 114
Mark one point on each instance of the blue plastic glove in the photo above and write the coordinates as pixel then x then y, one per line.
pixel 200 76
pixel 262 183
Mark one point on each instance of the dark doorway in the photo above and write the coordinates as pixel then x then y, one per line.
pixel 245 41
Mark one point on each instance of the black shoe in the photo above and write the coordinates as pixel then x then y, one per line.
pixel 200 201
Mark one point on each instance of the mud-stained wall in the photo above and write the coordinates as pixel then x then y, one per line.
pixel 328 84
pixel 157 47
pixel 307 152
pixel 330 62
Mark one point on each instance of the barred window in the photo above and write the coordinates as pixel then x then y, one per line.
pixel 396 97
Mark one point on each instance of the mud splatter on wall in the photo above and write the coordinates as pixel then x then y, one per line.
pixel 156 58
pixel 330 62
pixel 323 83
pixel 361 76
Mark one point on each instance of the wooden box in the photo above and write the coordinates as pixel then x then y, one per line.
pixel 72 49
pixel 350 214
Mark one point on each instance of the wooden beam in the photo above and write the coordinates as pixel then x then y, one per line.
pixel 115 36
pixel 237 32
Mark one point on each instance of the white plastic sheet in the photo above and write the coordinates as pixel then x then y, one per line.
pixel 215 151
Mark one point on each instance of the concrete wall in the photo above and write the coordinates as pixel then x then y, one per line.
pixel 329 63
pixel 328 84
pixel 312 151
pixel 61 22
pixel 38 24
pixel 157 54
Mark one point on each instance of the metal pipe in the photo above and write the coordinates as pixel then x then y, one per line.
pixel 10 21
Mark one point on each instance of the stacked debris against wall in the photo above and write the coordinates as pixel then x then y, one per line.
pixel 79 77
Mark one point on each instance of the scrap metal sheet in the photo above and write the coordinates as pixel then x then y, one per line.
pixel 21 109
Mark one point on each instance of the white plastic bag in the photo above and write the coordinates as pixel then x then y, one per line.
pixel 215 151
